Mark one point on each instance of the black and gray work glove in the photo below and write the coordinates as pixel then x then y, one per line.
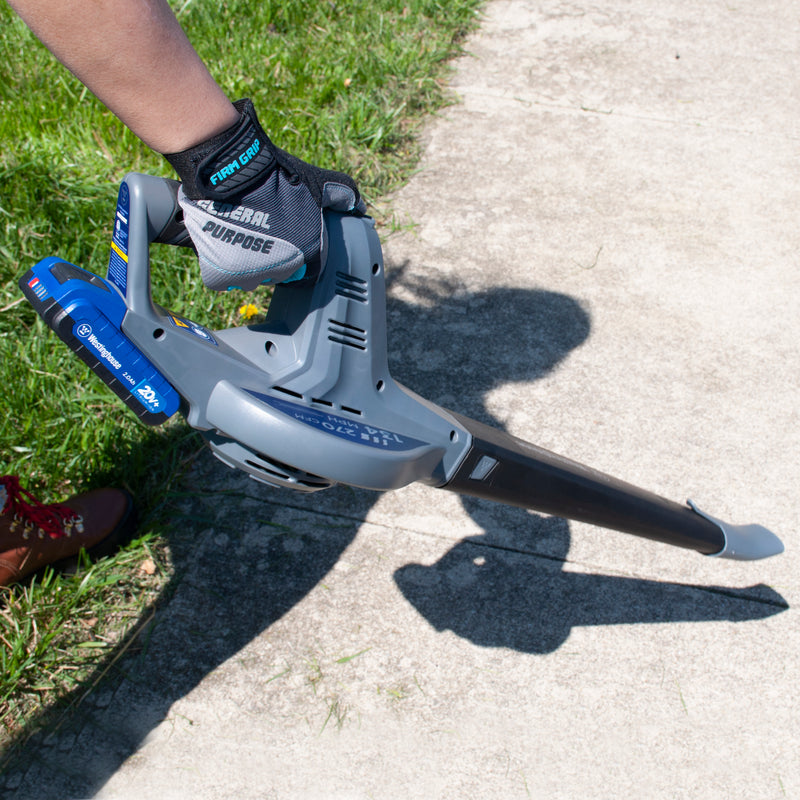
pixel 253 211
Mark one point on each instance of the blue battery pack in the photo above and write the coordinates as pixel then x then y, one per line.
pixel 87 312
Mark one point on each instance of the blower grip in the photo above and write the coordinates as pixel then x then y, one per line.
pixel 174 230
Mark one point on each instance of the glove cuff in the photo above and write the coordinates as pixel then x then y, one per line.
pixel 229 164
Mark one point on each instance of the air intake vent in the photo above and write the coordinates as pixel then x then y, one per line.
pixel 345 334
pixel 275 473
pixel 320 401
pixel 351 287
pixel 288 391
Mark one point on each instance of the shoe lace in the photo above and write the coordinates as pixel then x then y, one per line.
pixel 29 514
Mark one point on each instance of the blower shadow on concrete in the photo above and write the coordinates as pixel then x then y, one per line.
pixel 238 571
pixel 521 599
pixel 506 588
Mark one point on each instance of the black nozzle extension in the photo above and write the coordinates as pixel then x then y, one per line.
pixel 503 468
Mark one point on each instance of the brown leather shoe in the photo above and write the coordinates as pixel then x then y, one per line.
pixel 33 535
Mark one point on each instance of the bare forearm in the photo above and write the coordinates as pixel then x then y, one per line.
pixel 134 56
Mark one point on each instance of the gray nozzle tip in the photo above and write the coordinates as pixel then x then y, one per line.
pixel 744 542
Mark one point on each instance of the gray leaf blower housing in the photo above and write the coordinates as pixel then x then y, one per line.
pixel 305 400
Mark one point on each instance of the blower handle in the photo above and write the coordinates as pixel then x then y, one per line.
pixel 174 231
pixel 147 211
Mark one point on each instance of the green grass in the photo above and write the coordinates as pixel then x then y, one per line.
pixel 341 84
pixel 54 629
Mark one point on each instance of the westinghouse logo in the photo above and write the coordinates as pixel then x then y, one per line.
pixel 84 330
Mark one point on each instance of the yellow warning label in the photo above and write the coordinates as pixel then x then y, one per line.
pixel 177 321
pixel 119 252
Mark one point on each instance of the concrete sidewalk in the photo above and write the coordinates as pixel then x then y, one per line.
pixel 603 261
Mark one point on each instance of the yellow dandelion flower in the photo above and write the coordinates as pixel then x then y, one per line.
pixel 248 310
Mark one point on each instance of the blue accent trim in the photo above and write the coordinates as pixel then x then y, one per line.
pixel 341 427
pixel 298 275
pixel 117 265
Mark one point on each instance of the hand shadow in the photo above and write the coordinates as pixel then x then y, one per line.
pixel 238 570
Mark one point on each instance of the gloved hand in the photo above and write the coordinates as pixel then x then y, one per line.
pixel 253 211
